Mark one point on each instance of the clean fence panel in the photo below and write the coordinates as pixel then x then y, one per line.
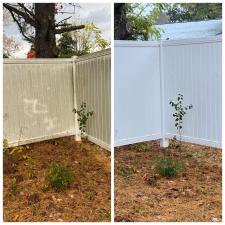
pixel 137 93
pixel 193 68
pixel 150 74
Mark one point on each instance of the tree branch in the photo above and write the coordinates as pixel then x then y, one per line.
pixel 70 28
pixel 27 10
pixel 29 39
pixel 58 24
pixel 24 15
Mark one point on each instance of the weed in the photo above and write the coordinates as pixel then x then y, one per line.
pixel 14 186
pixel 30 166
pixel 126 172
pixel 59 176
pixel 167 166
pixel 44 187
pixel 143 147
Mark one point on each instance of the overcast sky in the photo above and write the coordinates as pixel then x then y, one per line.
pixel 98 13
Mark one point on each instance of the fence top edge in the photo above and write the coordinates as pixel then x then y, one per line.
pixel 126 43
pixel 94 55
pixel 57 60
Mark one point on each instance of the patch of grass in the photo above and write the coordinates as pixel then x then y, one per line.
pixel 126 172
pixel 168 166
pixel 192 154
pixel 59 176
pixel 143 147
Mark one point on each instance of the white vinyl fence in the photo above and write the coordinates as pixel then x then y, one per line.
pixel 150 74
pixel 39 95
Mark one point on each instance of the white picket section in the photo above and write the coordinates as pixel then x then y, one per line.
pixel 38 98
pixel 191 67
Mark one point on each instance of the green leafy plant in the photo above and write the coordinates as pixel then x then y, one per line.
pixel 14 186
pixel 30 166
pixel 83 117
pixel 59 176
pixel 167 166
pixel 180 111
pixel 142 147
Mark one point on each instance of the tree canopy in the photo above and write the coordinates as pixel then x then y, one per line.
pixel 185 12
pixel 134 21
pixel 37 24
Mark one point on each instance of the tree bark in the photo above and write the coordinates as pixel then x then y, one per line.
pixel 45 41
pixel 120 23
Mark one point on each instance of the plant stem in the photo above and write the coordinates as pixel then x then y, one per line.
pixel 180 138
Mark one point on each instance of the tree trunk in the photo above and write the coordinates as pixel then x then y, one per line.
pixel 45 41
pixel 120 23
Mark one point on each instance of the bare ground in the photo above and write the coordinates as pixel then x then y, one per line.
pixel 195 195
pixel 87 199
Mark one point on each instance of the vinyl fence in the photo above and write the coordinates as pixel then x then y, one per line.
pixel 39 95
pixel 150 74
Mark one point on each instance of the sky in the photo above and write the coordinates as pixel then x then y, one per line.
pixel 98 13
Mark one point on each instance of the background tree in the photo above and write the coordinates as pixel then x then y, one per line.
pixel 37 24
pixel 81 42
pixel 184 12
pixel 134 21
pixel 10 45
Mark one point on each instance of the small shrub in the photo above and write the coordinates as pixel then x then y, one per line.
pixel 83 117
pixel 180 111
pixel 168 166
pixel 59 176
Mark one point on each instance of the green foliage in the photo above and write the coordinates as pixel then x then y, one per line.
pixel 141 19
pixel 83 117
pixel 30 166
pixel 143 147
pixel 127 172
pixel 59 176
pixel 14 186
pixel 81 42
pixel 183 12
pixel 168 166
pixel 180 111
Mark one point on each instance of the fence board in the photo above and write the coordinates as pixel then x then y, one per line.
pixel 191 67
pixel 38 98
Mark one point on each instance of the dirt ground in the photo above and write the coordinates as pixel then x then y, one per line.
pixel 195 195
pixel 87 199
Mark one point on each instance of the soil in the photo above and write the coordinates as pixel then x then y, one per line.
pixel 33 199
pixel 194 195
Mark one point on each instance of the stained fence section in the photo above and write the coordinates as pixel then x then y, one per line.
pixel 93 86
pixel 150 73
pixel 137 112
pixel 40 94
pixel 193 68
pixel 38 100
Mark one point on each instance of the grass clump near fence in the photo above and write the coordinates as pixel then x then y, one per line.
pixel 168 166
pixel 59 176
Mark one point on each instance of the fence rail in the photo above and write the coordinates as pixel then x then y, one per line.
pixel 38 97
pixel 150 74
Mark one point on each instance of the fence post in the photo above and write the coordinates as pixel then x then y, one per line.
pixel 164 142
pixel 77 132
